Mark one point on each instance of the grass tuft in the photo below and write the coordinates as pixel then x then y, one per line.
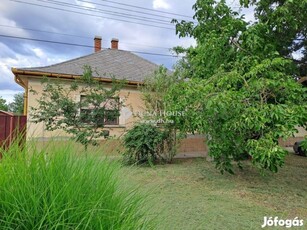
pixel 59 188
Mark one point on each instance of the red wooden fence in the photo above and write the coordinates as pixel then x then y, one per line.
pixel 11 127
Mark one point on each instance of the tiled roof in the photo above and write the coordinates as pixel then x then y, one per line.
pixel 107 63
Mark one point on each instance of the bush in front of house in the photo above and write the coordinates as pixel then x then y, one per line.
pixel 300 148
pixel 61 188
pixel 144 144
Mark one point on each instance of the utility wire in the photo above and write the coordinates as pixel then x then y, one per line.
pixel 44 31
pixel 46 41
pixel 144 8
pixel 130 10
pixel 81 45
pixel 113 13
pixel 87 37
pixel 94 15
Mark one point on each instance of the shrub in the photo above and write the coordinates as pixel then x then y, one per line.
pixel 300 147
pixel 154 91
pixel 144 144
pixel 58 189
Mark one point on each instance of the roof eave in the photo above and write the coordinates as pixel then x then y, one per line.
pixel 17 72
pixel 18 80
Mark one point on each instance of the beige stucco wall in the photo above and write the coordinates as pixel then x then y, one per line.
pixel 301 132
pixel 130 95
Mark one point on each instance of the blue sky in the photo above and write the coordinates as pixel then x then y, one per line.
pixel 17 16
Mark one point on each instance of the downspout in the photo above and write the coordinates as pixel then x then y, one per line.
pixel 25 102
pixel 25 95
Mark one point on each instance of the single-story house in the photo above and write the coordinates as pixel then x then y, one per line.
pixel 108 63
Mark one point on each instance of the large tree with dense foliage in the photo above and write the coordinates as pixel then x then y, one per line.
pixel 17 105
pixel 242 89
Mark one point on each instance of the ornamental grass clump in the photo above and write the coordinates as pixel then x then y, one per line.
pixel 56 188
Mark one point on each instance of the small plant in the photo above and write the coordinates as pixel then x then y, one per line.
pixel 58 189
pixel 144 144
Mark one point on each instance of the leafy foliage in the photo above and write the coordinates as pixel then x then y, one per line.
pixel 17 105
pixel 3 104
pixel 241 89
pixel 286 27
pixel 144 143
pixel 58 188
pixel 304 146
pixel 154 93
pixel 154 139
pixel 59 109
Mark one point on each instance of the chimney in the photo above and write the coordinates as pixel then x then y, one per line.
pixel 97 43
pixel 114 43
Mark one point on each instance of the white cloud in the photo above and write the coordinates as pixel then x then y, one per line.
pixel 8 95
pixel 161 4
pixel 85 4
pixel 8 86
pixel 39 53
pixel 298 54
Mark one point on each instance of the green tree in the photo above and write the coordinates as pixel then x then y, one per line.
pixel 154 139
pixel 285 21
pixel 154 91
pixel 17 105
pixel 241 89
pixel 3 105
pixel 83 119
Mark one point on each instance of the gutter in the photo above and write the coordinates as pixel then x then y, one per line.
pixel 18 80
pixel 17 72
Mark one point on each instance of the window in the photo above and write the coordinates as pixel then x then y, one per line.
pixel 111 117
pixel 107 114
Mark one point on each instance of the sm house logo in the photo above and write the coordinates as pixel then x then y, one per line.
pixel 276 222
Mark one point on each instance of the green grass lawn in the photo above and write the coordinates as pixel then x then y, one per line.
pixel 192 194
